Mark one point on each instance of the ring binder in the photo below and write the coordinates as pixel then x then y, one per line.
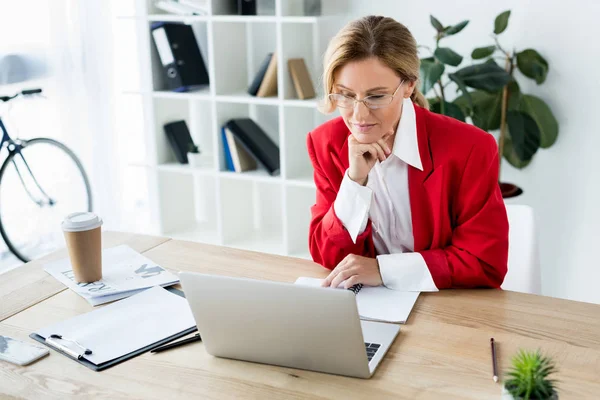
pixel 51 342
pixel 356 288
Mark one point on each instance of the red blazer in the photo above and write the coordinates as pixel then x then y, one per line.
pixel 460 225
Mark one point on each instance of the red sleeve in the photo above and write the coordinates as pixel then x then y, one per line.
pixel 328 240
pixel 478 255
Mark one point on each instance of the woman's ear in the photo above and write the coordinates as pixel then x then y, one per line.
pixel 410 88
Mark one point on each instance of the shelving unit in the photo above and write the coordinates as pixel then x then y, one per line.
pixel 252 210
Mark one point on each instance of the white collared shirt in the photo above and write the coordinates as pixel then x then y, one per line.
pixel 385 200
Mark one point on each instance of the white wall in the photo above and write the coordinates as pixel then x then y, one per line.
pixel 563 182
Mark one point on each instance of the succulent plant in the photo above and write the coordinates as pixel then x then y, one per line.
pixel 528 377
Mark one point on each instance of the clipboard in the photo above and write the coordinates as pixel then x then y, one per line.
pixel 102 366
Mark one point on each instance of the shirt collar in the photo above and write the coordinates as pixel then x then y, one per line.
pixel 406 146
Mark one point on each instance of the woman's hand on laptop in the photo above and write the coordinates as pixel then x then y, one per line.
pixel 353 270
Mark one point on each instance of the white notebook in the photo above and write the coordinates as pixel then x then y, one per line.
pixel 376 303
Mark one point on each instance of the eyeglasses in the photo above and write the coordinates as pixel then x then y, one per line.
pixel 372 102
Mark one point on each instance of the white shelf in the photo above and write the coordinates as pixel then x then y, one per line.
pixel 251 210
pixel 201 94
pixel 259 175
pixel 245 98
pixel 244 18
pixel 186 19
pixel 310 103
pixel 186 169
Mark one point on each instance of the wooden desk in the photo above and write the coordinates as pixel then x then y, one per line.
pixel 442 352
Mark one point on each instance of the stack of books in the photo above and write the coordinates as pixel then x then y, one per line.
pixel 265 81
pixel 246 145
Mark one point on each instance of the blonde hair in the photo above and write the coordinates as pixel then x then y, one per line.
pixel 373 36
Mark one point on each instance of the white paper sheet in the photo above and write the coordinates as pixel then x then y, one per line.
pixel 376 303
pixel 127 325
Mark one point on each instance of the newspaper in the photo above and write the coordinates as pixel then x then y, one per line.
pixel 125 272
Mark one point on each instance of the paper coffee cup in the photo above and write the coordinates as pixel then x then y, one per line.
pixel 82 231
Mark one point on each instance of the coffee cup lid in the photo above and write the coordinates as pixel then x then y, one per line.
pixel 81 221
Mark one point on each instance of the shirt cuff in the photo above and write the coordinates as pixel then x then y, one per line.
pixel 352 206
pixel 406 272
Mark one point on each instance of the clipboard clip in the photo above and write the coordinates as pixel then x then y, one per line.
pixel 50 340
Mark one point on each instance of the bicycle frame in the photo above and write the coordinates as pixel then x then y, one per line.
pixel 15 147
pixel 5 137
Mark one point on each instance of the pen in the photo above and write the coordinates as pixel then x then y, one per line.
pixel 194 338
pixel 494 365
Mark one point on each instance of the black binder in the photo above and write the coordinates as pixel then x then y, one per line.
pixel 126 357
pixel 180 139
pixel 183 65
pixel 257 142
pixel 247 7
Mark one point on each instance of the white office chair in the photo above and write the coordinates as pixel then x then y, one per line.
pixel 523 254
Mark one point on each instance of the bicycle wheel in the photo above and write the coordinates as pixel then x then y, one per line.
pixel 39 186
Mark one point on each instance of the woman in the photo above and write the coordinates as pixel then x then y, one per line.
pixel 405 197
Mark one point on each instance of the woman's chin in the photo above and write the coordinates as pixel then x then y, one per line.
pixel 365 138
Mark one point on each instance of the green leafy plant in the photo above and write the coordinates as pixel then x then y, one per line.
pixel 490 94
pixel 528 378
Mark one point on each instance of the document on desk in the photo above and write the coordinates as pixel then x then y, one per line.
pixel 125 272
pixel 376 303
pixel 126 326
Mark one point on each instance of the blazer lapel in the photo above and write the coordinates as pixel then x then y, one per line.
pixel 340 157
pixel 422 220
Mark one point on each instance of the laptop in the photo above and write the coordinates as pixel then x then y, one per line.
pixel 283 324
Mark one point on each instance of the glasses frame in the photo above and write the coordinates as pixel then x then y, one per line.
pixel 333 99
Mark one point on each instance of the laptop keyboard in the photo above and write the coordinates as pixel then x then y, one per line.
pixel 371 349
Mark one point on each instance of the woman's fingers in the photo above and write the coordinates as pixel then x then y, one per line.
pixel 340 267
pixel 381 155
pixel 342 276
pixel 383 143
pixel 353 280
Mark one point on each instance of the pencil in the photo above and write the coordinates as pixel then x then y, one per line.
pixel 494 364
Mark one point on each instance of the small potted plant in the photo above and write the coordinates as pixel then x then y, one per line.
pixel 193 155
pixel 528 377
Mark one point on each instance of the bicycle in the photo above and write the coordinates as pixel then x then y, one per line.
pixel 41 181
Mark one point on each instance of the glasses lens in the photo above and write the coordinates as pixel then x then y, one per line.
pixel 341 101
pixel 378 101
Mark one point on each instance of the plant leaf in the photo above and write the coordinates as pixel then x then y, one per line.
pixel 456 28
pixel 463 88
pixel 532 65
pixel 543 117
pixel 448 56
pixel 501 22
pixel 487 76
pixel 431 71
pixel 525 136
pixel 514 96
pixel 436 24
pixel 485 111
pixel 483 52
pixel 511 156
pixel 451 110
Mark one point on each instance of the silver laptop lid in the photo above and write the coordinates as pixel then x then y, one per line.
pixel 278 323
